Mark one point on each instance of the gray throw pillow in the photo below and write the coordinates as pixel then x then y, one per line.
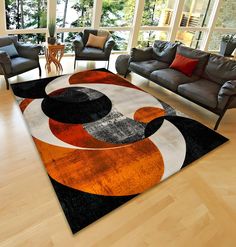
pixel 10 50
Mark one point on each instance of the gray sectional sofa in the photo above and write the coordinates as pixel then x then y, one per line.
pixel 212 85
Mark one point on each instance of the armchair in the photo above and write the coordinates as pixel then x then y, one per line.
pixel 83 52
pixel 17 58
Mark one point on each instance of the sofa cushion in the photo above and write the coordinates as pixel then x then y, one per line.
pixel 171 78
pixel 20 64
pixel 195 54
pixel 145 68
pixel 184 64
pixel 164 51
pixel 220 69
pixel 202 91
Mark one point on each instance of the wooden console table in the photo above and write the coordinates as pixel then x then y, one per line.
pixel 54 54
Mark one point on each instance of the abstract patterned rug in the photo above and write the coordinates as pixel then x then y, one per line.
pixel 103 140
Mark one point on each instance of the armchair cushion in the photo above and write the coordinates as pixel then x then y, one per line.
pixel 29 51
pixel 90 53
pixel 228 89
pixel 10 50
pixel 21 65
pixel 96 41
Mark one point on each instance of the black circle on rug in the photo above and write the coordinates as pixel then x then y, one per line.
pixel 153 126
pixel 76 105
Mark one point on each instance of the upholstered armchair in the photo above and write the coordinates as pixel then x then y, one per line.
pixel 17 58
pixel 85 50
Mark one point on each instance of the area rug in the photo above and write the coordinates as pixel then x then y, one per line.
pixel 104 141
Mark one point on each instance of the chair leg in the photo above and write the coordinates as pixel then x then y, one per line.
pixel 7 82
pixel 40 71
pixel 218 121
pixel 126 73
pixel 74 64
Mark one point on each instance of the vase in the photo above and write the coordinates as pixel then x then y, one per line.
pixel 51 40
pixel 227 48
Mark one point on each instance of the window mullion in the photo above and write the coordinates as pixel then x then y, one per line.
pixel 3 25
pixel 97 13
pixel 175 20
pixel 138 13
pixel 211 24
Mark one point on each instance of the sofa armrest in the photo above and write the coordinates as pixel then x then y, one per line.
pixel 29 51
pixel 108 46
pixel 78 44
pixel 5 63
pixel 138 55
pixel 227 90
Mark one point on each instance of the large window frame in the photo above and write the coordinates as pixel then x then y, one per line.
pixel 134 29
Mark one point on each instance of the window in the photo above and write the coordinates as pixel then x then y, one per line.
pixel 157 12
pixel 214 44
pixel 121 38
pixel 227 14
pixel 196 13
pixel 147 38
pixel 74 13
pixel 67 38
pixel 190 38
pixel 26 14
pixel 117 13
pixel 36 38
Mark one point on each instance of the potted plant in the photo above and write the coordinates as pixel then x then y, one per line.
pixel 228 44
pixel 51 30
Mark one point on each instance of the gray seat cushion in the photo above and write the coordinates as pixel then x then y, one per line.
pixel 92 53
pixel 220 69
pixel 20 64
pixel 195 54
pixel 201 91
pixel 171 78
pixel 145 68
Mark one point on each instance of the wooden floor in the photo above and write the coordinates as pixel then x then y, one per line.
pixel 195 207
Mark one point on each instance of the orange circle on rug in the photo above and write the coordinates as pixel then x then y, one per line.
pixel 147 114
pixel 120 171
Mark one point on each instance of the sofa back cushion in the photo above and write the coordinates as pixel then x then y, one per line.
pixel 195 54
pixel 220 69
pixel 164 51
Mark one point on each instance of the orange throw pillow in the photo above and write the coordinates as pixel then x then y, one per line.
pixel 184 64
pixel 96 41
